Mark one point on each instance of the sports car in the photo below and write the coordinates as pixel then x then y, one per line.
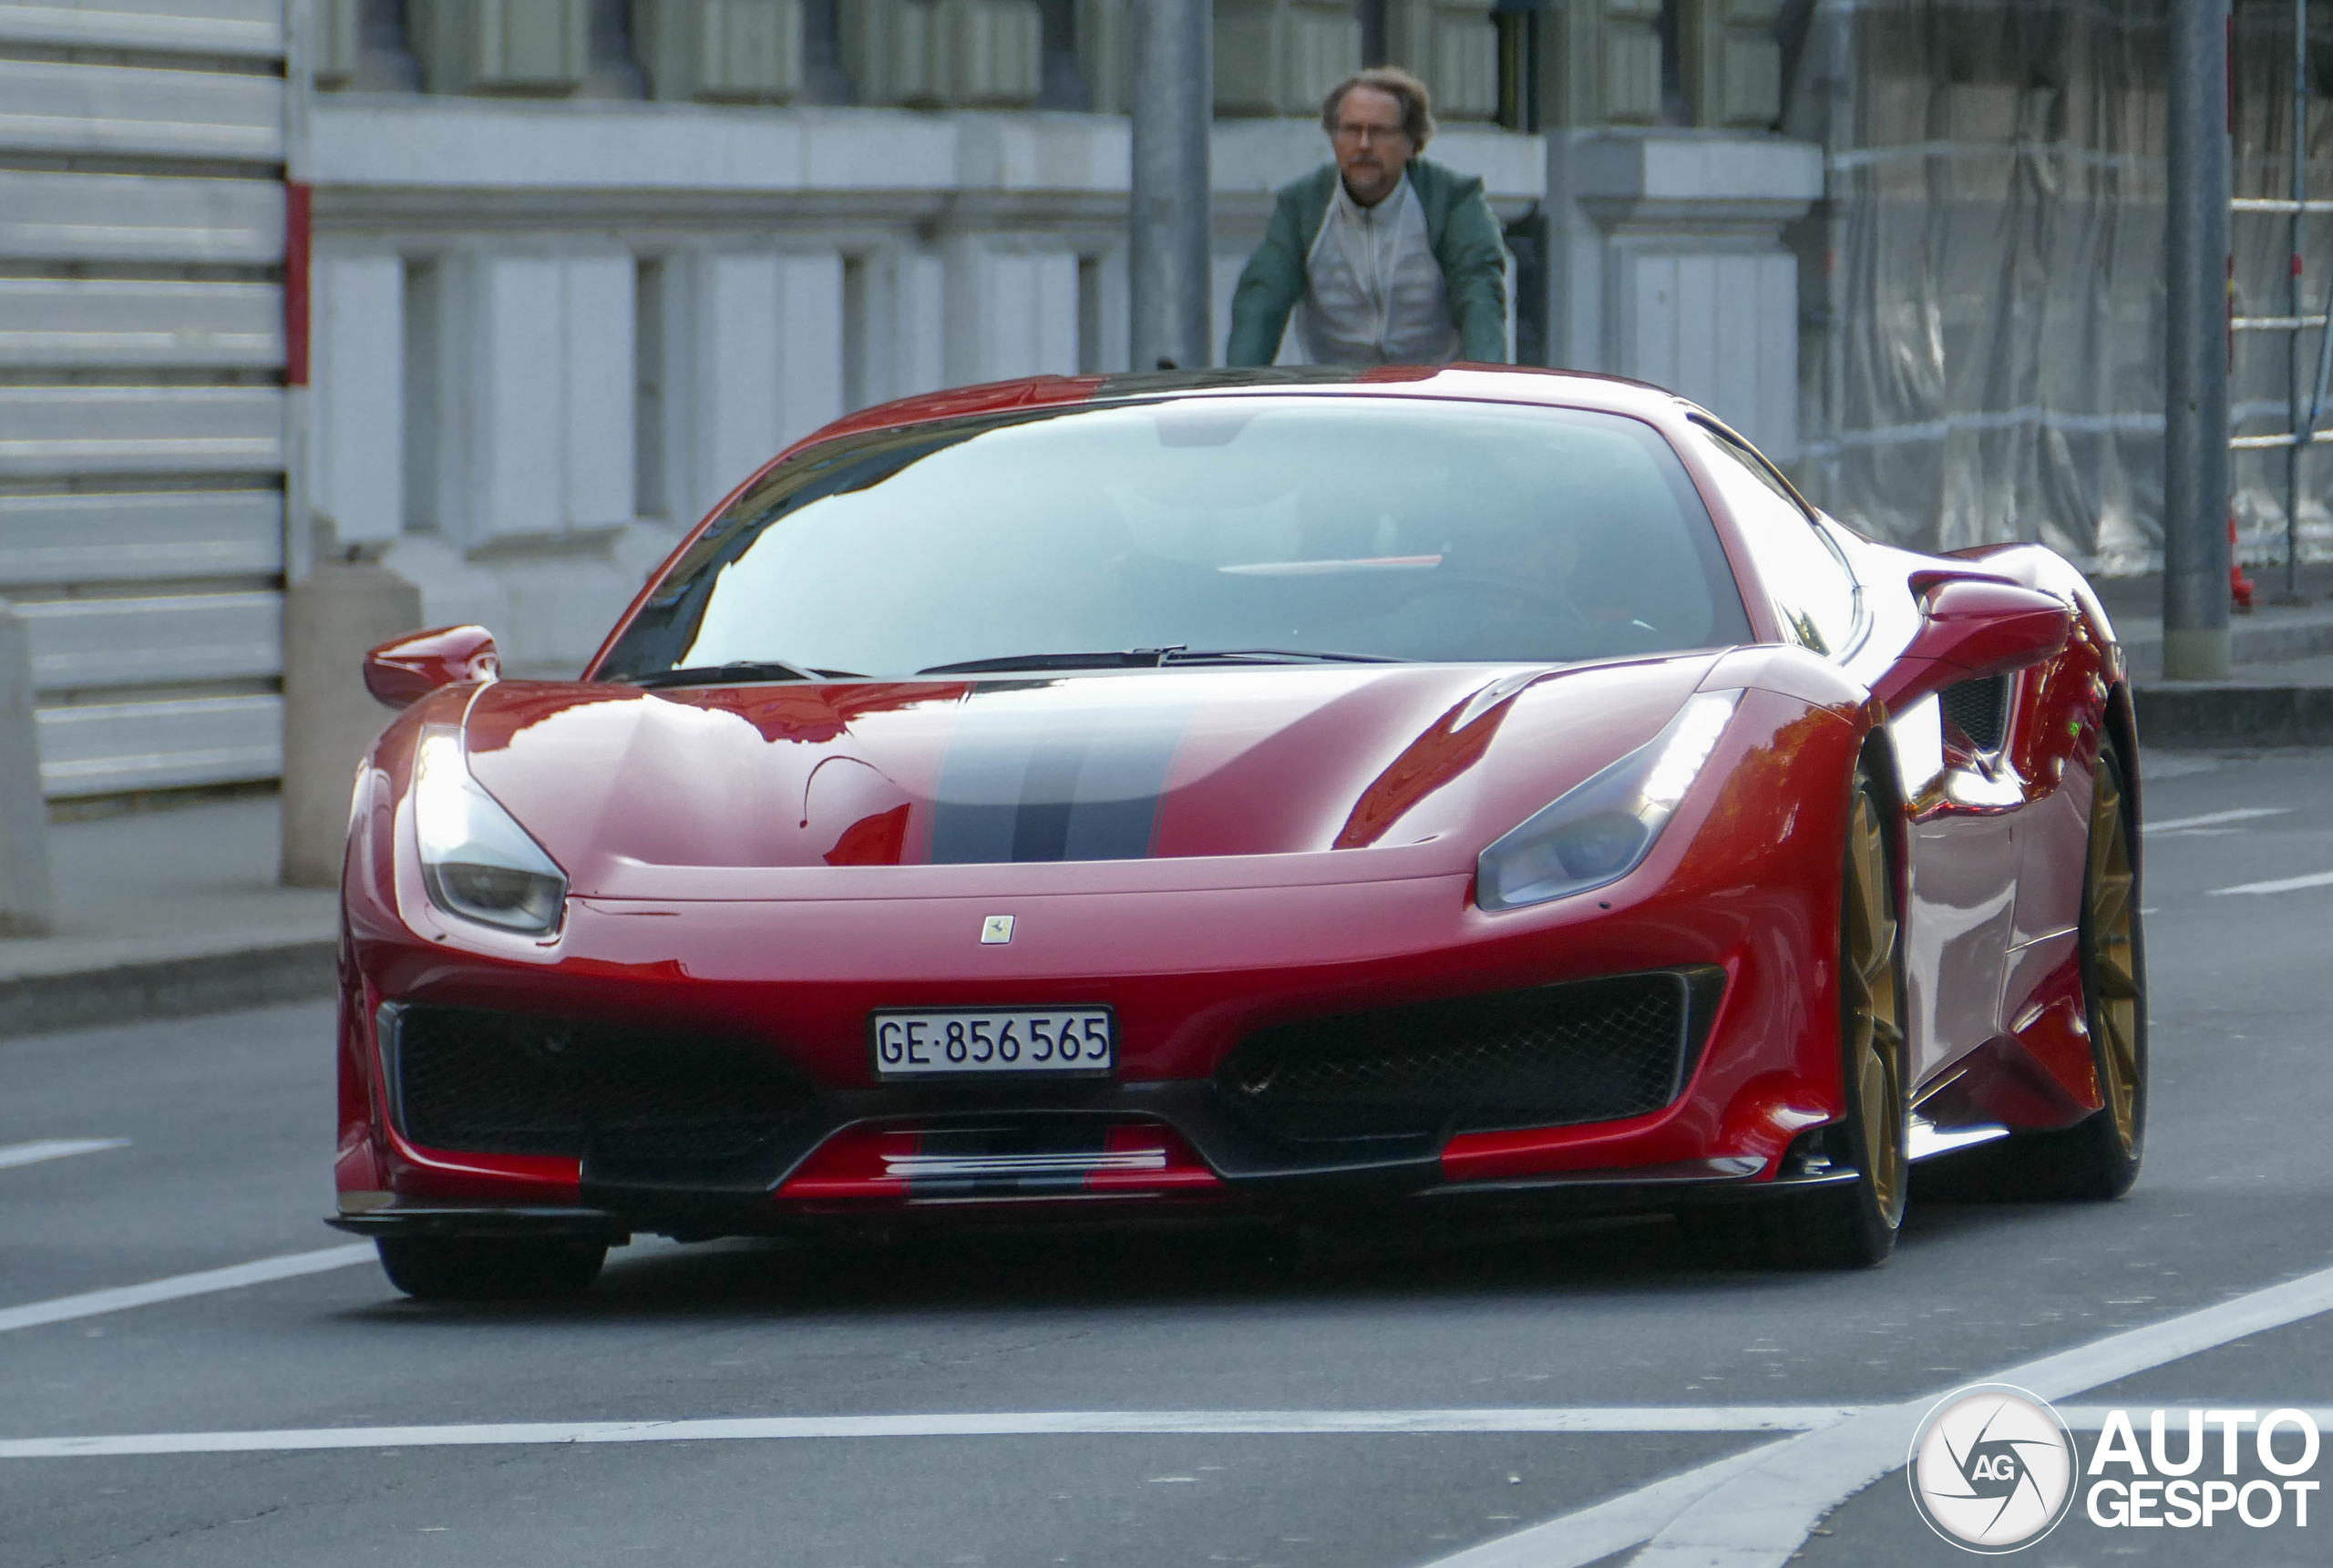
pixel 1248 795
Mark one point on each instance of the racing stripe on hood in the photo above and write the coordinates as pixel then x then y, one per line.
pixel 1035 772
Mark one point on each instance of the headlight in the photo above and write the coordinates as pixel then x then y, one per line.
pixel 1602 829
pixel 476 860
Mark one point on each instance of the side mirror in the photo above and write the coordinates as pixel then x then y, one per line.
pixel 1973 627
pixel 401 672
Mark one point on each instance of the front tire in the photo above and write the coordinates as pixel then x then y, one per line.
pixel 490 1268
pixel 1853 1225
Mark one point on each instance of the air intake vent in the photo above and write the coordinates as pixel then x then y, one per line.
pixel 1595 1050
pixel 511 1084
pixel 1981 710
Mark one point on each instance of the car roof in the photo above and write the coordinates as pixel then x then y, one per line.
pixel 1488 382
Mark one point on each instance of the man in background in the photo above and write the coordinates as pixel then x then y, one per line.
pixel 1395 259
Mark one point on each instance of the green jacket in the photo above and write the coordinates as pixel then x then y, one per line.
pixel 1459 225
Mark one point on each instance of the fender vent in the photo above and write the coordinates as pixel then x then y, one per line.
pixel 1981 710
pixel 473 1080
pixel 1595 1050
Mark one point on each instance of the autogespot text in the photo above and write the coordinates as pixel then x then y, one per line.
pixel 2167 1482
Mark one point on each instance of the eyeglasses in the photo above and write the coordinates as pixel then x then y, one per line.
pixel 1347 131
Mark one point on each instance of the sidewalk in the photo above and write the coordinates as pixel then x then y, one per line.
pixel 2279 693
pixel 168 913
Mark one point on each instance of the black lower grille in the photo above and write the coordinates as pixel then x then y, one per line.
pixel 1594 1051
pixel 512 1083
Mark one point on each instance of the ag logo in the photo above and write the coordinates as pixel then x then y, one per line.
pixel 1992 1469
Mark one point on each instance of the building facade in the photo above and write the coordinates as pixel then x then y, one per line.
pixel 565 272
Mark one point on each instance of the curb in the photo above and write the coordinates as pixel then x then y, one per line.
pixel 2271 639
pixel 2199 714
pixel 167 987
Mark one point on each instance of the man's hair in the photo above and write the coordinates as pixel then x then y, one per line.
pixel 1417 104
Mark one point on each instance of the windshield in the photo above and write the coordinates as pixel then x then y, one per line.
pixel 1284 525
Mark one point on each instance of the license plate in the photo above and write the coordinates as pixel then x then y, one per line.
pixel 1002 1039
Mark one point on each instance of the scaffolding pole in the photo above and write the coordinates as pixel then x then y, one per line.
pixel 2294 292
pixel 2306 393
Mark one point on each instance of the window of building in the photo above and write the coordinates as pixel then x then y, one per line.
pixel 1061 84
pixel 424 296
pixel 1091 350
pixel 651 468
pixel 611 70
pixel 824 80
pixel 1373 41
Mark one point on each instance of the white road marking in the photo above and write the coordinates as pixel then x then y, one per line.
pixel 40 1149
pixel 2214 818
pixel 1008 1423
pixel 1592 1533
pixel 1751 1510
pixel 1755 1510
pixel 91 1304
pixel 2283 884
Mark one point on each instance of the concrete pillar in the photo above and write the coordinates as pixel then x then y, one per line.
pixel 1673 268
pixel 356 363
pixel 1277 56
pixel 747 349
pixel 329 621
pixel 1732 65
pixel 1600 63
pixel 26 901
pixel 521 413
pixel 1015 306
pixel 1454 46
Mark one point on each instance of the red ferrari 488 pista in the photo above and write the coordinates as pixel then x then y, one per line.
pixel 1248 792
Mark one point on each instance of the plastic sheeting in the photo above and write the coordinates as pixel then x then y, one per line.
pixel 1982 356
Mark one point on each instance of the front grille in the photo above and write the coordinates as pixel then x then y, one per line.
pixel 1981 710
pixel 1594 1051
pixel 512 1083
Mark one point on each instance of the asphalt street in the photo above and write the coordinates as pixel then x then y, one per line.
pixel 1552 1397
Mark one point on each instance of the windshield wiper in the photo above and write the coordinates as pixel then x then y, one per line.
pixel 738 672
pixel 1270 656
pixel 1121 658
pixel 1152 658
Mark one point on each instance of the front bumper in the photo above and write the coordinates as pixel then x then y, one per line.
pixel 1191 965
pixel 764 1149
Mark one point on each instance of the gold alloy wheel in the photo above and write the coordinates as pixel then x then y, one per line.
pixel 1872 1009
pixel 2110 918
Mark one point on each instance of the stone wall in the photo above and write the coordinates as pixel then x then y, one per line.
pixel 550 335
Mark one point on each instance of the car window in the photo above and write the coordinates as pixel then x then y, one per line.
pixel 1401 528
pixel 1811 581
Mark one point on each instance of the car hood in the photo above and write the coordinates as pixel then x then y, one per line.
pixel 1436 760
